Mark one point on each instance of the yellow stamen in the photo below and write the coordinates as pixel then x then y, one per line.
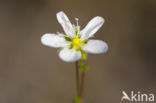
pixel 76 42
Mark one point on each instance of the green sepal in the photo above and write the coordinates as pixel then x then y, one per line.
pixel 83 67
pixel 58 51
pixel 71 46
pixel 83 55
pixel 76 30
pixel 67 38
pixel 85 41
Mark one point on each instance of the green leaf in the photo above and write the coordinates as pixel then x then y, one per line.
pixel 83 67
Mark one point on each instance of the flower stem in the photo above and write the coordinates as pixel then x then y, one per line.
pixel 82 85
pixel 79 82
pixel 77 76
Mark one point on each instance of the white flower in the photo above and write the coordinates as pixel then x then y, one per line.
pixel 75 44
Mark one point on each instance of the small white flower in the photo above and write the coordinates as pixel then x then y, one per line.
pixel 75 44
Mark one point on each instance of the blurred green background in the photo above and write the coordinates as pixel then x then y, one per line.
pixel 33 73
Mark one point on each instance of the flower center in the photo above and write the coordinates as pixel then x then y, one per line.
pixel 76 42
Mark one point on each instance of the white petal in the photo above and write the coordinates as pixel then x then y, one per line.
pixel 95 46
pixel 53 40
pixel 69 55
pixel 65 23
pixel 92 27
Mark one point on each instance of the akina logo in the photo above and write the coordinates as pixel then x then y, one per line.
pixel 137 96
